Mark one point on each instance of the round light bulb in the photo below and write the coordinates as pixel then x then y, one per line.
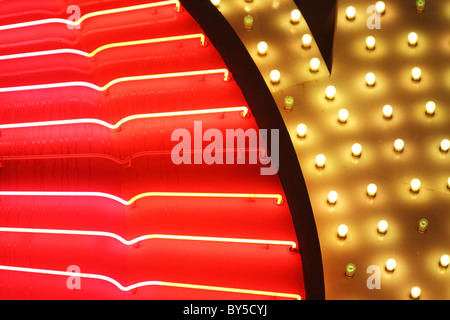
pixel 350 13
pixel 301 130
pixel 288 103
pixel 380 6
pixel 382 227
pixel 356 150
pixel 430 108
pixel 371 190
pixel 320 161
pixel 370 43
pixel 343 116
pixel 387 111
pixel 262 48
pixel 444 261
pixel 422 225
pixel 445 145
pixel 248 22
pixel 415 185
pixel 275 76
pixel 215 2
pixel 412 39
pixel 332 197
pixel 295 16
pixel 342 231
pixel 415 292
pixel 330 92
pixel 416 74
pixel 391 264
pixel 350 270
pixel 314 65
pixel 399 144
pixel 370 79
pixel 306 40
pixel 448 183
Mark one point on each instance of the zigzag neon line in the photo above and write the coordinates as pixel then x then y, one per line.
pixel 116 81
pixel 292 244
pixel 150 283
pixel 90 15
pixel 103 48
pixel 244 112
pixel 277 197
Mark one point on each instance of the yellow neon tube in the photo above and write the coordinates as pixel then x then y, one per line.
pixel 91 15
pixel 277 197
pixel 292 244
pixel 225 72
pixel 149 283
pixel 244 113
pixel 103 48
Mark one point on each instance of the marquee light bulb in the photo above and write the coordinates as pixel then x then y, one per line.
pixel 430 108
pixel 415 292
pixel 422 225
pixel 330 92
pixel 370 79
pixel 382 227
pixel 350 13
pixel 332 197
pixel 262 48
pixel 444 261
pixel 350 270
pixel 380 6
pixel 295 16
pixel 343 116
pixel 370 43
pixel 412 39
pixel 371 190
pixel 314 65
pixel 415 185
pixel 248 22
pixel 215 2
pixel 275 76
pixel 445 145
pixel 306 41
pixel 342 231
pixel 391 264
pixel 387 111
pixel 399 144
pixel 356 150
pixel 320 161
pixel 288 102
pixel 448 183
pixel 301 130
pixel 416 74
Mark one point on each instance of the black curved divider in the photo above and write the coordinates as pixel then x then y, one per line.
pixel 264 109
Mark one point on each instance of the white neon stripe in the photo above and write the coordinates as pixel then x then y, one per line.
pixel 149 283
pixel 116 81
pixel 292 244
pixel 277 197
pixel 89 15
pixel 243 109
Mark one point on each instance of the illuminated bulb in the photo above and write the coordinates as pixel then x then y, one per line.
pixel 430 108
pixel 314 65
pixel 295 16
pixel 306 40
pixel 343 116
pixel 350 13
pixel 391 264
pixel 387 112
pixel 448 183
pixel 330 92
pixel 444 261
pixel 416 74
pixel 248 22
pixel 415 185
pixel 215 2
pixel 370 43
pixel 445 145
pixel 288 103
pixel 412 39
pixel 380 7
pixel 350 270
pixel 356 150
pixel 415 292
pixel 320 161
pixel 262 48
pixel 422 225
pixel 301 130
pixel 275 76
pixel 370 79
pixel 382 226
pixel 372 190
pixel 399 144
pixel 332 197
pixel 342 231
